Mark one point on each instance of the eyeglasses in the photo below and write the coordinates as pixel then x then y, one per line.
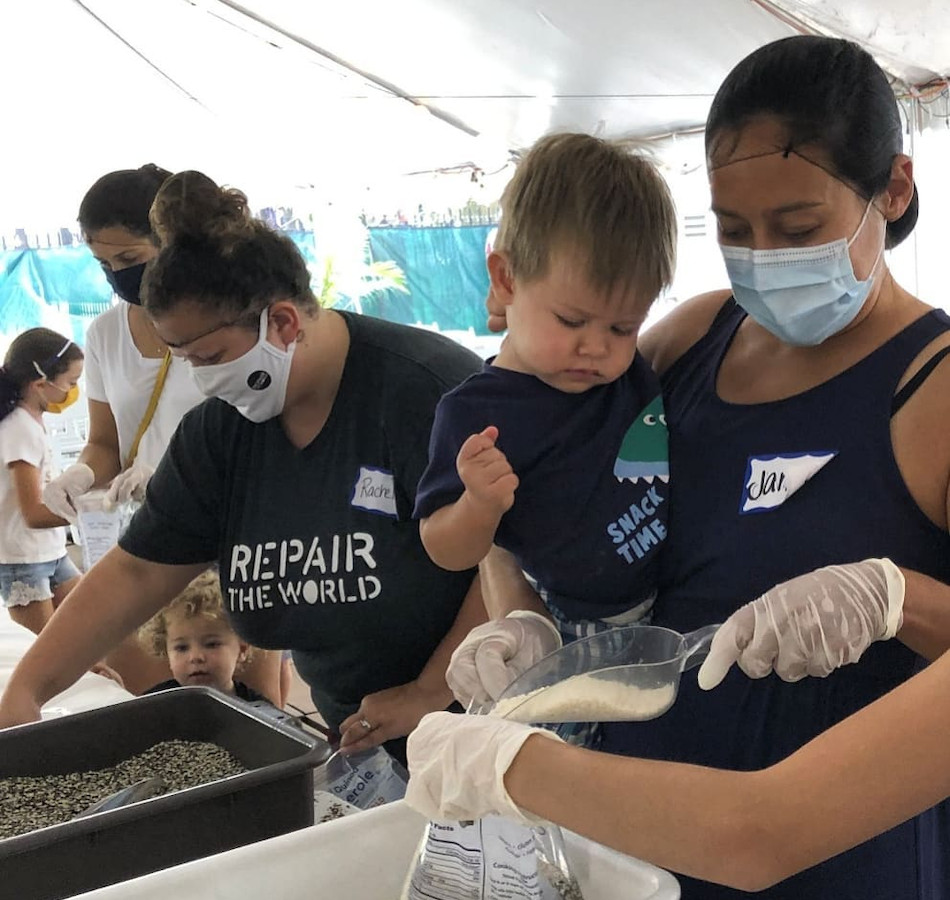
pixel 181 344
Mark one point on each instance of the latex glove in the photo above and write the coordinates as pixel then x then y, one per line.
pixel 810 625
pixel 128 485
pixel 391 713
pixel 59 495
pixel 496 653
pixel 458 763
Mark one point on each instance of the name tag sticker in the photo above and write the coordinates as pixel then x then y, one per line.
pixel 375 491
pixel 771 480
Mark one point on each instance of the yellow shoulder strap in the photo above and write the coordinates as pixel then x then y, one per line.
pixel 150 409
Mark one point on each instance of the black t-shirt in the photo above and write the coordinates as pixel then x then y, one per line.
pixel 317 547
pixel 241 690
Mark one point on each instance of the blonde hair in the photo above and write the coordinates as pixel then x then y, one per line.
pixel 596 199
pixel 202 598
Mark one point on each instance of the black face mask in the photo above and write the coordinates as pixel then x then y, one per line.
pixel 126 282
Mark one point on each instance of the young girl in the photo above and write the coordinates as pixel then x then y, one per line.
pixel 194 634
pixel 39 374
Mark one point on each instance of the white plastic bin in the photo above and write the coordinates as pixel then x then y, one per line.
pixel 364 856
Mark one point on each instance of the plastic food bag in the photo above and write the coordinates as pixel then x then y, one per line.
pixel 366 780
pixel 99 529
pixel 491 859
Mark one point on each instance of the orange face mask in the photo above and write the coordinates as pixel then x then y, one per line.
pixel 72 395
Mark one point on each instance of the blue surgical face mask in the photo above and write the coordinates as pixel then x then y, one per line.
pixel 126 282
pixel 802 295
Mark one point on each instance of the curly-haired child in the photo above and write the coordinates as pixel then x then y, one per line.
pixel 194 633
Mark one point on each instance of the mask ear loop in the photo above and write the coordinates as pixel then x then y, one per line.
pixel 880 253
pixel 864 218
pixel 43 375
pixel 264 324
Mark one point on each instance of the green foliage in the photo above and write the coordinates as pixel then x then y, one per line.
pixel 373 277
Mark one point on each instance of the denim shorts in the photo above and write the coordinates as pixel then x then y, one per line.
pixel 23 583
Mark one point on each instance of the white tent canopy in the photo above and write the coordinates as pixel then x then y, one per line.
pixel 272 94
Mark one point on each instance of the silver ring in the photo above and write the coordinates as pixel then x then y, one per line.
pixel 366 724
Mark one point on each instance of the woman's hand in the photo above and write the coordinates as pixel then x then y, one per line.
pixel 389 714
pixel 810 625
pixel 458 764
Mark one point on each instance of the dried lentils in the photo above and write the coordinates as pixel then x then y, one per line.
pixel 28 803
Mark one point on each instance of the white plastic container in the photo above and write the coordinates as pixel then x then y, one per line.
pixel 99 528
pixel 364 856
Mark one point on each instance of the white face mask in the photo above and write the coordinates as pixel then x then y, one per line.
pixel 255 384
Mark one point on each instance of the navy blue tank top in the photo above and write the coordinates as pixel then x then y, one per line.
pixel 761 493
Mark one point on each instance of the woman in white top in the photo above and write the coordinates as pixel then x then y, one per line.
pixel 124 355
pixel 125 361
pixel 39 374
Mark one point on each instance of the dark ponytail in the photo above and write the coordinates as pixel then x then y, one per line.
pixel 35 354
pixel 827 93
pixel 122 199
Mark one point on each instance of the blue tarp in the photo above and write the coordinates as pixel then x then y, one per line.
pixel 445 273
pixel 61 288
pixel 64 288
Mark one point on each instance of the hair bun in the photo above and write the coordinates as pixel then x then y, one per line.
pixel 156 172
pixel 191 206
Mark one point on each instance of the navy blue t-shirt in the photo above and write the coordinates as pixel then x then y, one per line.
pixel 590 510
pixel 744 517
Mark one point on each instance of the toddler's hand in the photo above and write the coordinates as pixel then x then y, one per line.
pixel 486 473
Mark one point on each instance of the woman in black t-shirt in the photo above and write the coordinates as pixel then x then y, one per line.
pixel 299 480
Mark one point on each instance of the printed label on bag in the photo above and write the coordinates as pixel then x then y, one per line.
pixel 371 781
pixel 491 859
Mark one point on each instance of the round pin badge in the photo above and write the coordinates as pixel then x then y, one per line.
pixel 258 380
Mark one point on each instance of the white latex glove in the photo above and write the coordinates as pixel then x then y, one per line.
pixel 810 625
pixel 458 763
pixel 496 653
pixel 128 485
pixel 59 494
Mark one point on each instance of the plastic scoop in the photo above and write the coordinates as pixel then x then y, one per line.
pixel 141 790
pixel 628 674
